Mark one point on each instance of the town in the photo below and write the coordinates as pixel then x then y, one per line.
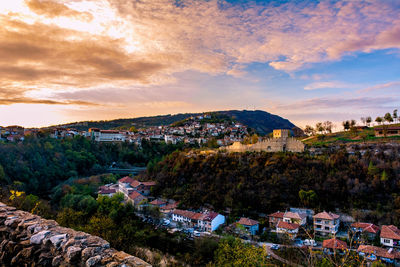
pixel 329 232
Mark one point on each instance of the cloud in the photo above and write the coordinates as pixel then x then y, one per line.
pixel 380 86
pixel 339 102
pixel 54 9
pixel 327 84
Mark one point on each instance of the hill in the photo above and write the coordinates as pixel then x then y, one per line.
pixel 262 121
pixel 365 135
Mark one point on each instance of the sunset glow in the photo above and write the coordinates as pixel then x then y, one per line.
pixel 75 60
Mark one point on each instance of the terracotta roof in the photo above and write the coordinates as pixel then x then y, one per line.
pixel 135 194
pixel 326 216
pixel 334 244
pixel 135 183
pixel 209 216
pixel 109 131
pixel 187 213
pixel 126 180
pixel 379 252
pixel 106 190
pixel 158 202
pixel 277 214
pixel 390 231
pixel 170 206
pixel 247 221
pixel 289 226
pixel 388 128
pixel 367 227
pixel 295 215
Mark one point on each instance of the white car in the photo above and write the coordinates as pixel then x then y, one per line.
pixel 310 243
pixel 196 234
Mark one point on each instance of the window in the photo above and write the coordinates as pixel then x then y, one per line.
pixel 387 241
pixel 327 228
pixel 318 221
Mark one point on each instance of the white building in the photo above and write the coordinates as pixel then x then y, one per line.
pixel 326 223
pixel 106 135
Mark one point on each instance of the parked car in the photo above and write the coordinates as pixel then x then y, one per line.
pixel 310 243
pixel 275 247
pixel 166 222
pixel 196 234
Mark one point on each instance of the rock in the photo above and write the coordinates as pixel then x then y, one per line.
pixel 120 255
pixel 57 239
pixel 93 261
pixel 38 238
pixel 73 253
pixel 90 252
pixel 57 261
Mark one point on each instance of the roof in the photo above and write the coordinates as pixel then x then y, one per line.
pixel 334 244
pixel 209 216
pixel 187 213
pixel 390 231
pixel 149 183
pixel 109 131
pixel 289 226
pixel 106 190
pixel 247 221
pixel 135 194
pixel 387 128
pixel 379 252
pixel 295 215
pixel 326 216
pixel 126 180
pixel 367 227
pixel 158 202
pixel 170 206
pixel 277 214
pixel 135 183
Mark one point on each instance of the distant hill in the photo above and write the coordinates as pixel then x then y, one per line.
pixel 261 121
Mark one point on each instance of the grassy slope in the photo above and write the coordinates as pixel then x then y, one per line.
pixel 366 135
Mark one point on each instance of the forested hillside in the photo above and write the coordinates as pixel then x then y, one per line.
pixel 39 164
pixel 266 182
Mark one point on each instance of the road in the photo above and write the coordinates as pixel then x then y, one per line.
pixel 270 252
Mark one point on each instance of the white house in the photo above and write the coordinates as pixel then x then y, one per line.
pixel 326 223
pixel 291 229
pixel 106 135
pixel 210 221
pixel 390 236
pixel 295 217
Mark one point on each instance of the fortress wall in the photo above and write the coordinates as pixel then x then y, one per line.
pixel 29 240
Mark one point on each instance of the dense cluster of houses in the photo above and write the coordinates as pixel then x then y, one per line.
pixel 193 131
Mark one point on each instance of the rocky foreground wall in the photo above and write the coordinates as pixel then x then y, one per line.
pixel 29 240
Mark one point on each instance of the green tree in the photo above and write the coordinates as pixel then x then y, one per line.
pixel 379 120
pixel 368 120
pixel 2 175
pixel 395 115
pixel 388 118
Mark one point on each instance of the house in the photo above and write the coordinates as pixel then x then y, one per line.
pixel 334 245
pixel 368 229
pixel 251 225
pixel 185 216
pixel 326 223
pixel 290 229
pixel 210 221
pixel 390 236
pixel 106 135
pixel 168 208
pixel 106 191
pixel 158 203
pixel 128 184
pixel 274 218
pixel 124 185
pixel 388 130
pixel 377 253
pixel 294 217
pixel 136 198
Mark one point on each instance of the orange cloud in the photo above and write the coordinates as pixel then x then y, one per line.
pixel 54 9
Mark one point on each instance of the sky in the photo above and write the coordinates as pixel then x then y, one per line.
pixel 307 61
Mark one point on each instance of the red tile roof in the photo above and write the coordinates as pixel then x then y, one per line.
pixel 289 226
pixel 149 183
pixel 334 244
pixel 106 190
pixel 158 202
pixel 367 227
pixel 126 180
pixel 187 213
pixel 379 252
pixel 390 231
pixel 277 215
pixel 295 215
pixel 247 221
pixel 135 194
pixel 326 216
pixel 170 206
pixel 135 183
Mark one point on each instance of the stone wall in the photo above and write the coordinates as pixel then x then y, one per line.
pixel 268 145
pixel 29 240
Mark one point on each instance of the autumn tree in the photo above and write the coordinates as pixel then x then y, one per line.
pixel 309 130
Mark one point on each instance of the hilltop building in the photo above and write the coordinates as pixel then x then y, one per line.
pixel 280 142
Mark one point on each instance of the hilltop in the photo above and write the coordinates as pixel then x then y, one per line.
pixel 359 135
pixel 261 121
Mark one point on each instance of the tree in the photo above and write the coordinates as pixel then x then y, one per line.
pixel 2 175
pixel 368 120
pixel 319 127
pixel 395 115
pixel 388 118
pixel 346 125
pixel 309 130
pixel 379 120
pixel 353 123
pixel 328 126
pixel 363 120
